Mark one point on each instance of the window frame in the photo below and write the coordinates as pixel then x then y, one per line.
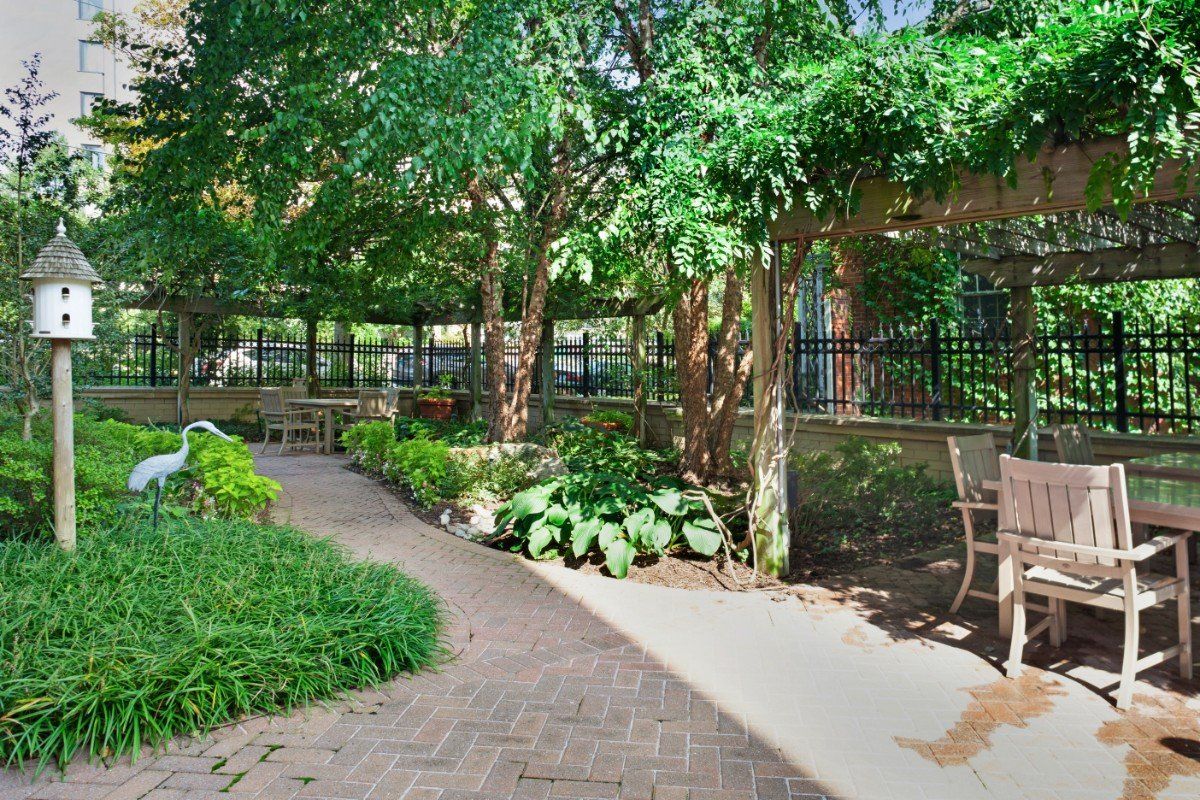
pixel 85 107
pixel 97 7
pixel 84 45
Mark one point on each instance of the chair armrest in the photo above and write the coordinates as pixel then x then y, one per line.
pixel 1139 553
pixel 1158 544
pixel 975 505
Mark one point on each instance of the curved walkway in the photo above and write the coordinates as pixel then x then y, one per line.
pixel 575 686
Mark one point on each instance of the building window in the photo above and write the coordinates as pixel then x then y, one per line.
pixel 985 308
pixel 95 154
pixel 88 9
pixel 91 56
pixel 86 101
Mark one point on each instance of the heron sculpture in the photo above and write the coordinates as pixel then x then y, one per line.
pixel 162 467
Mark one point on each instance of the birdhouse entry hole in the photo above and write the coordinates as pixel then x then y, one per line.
pixel 66 320
pixel 66 293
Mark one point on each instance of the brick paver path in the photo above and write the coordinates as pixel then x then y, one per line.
pixel 574 686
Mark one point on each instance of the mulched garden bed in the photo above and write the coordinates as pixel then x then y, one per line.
pixel 826 556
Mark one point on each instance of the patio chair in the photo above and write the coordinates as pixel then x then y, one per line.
pixel 297 427
pixel 373 404
pixel 974 460
pixel 1070 540
pixel 1074 444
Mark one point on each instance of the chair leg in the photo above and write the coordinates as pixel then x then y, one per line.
pixel 1055 607
pixel 1129 659
pixel 283 442
pixel 1062 621
pixel 266 439
pixel 1017 646
pixel 1183 608
pixel 969 574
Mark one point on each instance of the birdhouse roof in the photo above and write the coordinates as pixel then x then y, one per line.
pixel 60 258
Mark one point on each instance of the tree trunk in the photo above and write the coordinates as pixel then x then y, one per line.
pixel 729 376
pixel 690 323
pixel 491 292
pixel 516 417
pixel 187 354
pixel 25 373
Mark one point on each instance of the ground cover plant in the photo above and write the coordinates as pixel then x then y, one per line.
pixel 859 505
pixel 140 636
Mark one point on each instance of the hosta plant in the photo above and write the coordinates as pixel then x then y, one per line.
pixel 610 513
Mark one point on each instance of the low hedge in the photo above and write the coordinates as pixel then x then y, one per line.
pixel 140 636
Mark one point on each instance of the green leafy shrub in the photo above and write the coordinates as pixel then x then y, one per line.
pixel 106 450
pixel 453 432
pixel 585 449
pixel 417 428
pixel 224 472
pixel 368 444
pixel 420 465
pixel 608 513
pixel 480 478
pixel 138 637
pixel 860 497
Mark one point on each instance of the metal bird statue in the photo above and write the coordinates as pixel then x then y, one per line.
pixel 161 467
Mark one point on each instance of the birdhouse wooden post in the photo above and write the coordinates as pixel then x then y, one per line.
pixel 62 310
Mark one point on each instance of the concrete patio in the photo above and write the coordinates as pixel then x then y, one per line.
pixel 575 686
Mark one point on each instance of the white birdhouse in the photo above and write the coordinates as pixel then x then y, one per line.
pixel 62 290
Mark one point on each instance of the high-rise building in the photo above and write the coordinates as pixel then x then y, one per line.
pixel 76 66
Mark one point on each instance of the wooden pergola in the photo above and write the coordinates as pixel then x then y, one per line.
pixel 1034 231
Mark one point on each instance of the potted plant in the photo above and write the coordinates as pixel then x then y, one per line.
pixel 437 402
pixel 609 421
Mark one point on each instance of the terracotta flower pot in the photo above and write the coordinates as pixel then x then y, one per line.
pixel 439 408
pixel 608 427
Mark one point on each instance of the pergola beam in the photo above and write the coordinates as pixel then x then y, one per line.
pixel 1055 181
pixel 1174 260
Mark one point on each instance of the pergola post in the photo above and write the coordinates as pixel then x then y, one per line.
pixel 476 371
pixel 547 370
pixel 768 505
pixel 310 357
pixel 1023 331
pixel 637 359
pixel 418 369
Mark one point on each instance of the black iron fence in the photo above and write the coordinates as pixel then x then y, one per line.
pixel 584 365
pixel 1104 373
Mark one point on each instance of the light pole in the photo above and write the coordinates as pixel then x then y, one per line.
pixel 62 310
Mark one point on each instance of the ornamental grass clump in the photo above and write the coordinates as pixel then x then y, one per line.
pixel 141 636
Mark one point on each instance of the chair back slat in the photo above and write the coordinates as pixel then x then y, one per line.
pixel 974 460
pixel 1068 503
pixel 294 393
pixel 393 400
pixel 1074 444
pixel 272 401
pixel 372 402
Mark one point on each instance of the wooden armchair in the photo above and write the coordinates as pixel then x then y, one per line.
pixel 372 405
pixel 1068 537
pixel 297 427
pixel 1074 444
pixel 974 460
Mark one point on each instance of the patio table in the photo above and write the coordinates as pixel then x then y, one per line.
pixel 1185 466
pixel 1153 500
pixel 325 406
